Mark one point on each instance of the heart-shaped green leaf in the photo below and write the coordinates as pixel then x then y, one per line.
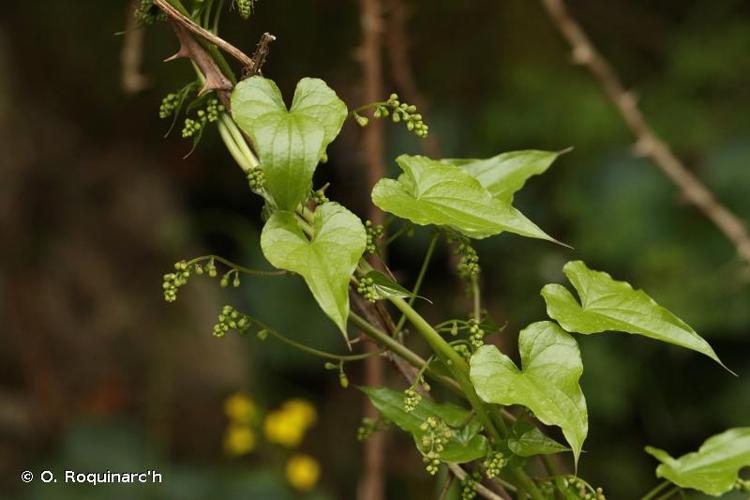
pixel 609 305
pixel 547 384
pixel 433 192
pixel 527 440
pixel 465 445
pixel 714 468
pixel 290 142
pixel 505 174
pixel 325 261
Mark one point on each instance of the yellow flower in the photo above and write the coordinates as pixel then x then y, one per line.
pixel 302 472
pixel 239 408
pixel 301 410
pixel 287 425
pixel 284 428
pixel 239 439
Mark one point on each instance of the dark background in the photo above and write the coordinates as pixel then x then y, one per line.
pixel 96 371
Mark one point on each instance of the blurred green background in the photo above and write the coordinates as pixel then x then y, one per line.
pixel 97 372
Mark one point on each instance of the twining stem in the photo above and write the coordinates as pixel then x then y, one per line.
pixel 453 360
pixel 477 297
pixel 319 353
pixel 420 278
pixel 242 269
pixel 658 489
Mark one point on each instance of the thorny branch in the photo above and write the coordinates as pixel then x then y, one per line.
pixel 184 21
pixel 648 143
pixel 214 79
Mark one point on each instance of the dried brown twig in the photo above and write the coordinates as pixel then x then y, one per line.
pixel 648 143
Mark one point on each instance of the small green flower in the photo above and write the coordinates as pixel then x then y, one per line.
pixel 366 288
pixel 256 179
pixel 411 399
pixel 230 319
pixel 494 463
pixel 374 233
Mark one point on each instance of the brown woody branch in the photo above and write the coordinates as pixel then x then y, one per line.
pixel 214 78
pixel 648 143
pixel 187 23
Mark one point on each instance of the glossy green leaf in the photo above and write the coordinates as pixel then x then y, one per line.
pixel 290 142
pixel 547 384
pixel 467 443
pixel 384 287
pixel 433 192
pixel 714 468
pixel 505 174
pixel 326 260
pixel 609 305
pixel 527 440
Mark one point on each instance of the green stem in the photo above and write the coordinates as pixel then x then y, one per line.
pixel 319 353
pixel 669 493
pixel 242 269
pixel 477 296
pixel 240 140
pixel 454 361
pixel 420 279
pixel 233 148
pixel 656 490
pixel 401 350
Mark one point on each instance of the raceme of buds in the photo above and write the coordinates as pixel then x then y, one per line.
pixel 374 232
pixel 468 264
pixel 365 288
pixel 169 105
pixel 230 319
pixel 433 441
pixel 411 399
pixel 476 334
pixel 469 486
pixel 256 179
pixel 209 114
pixel 244 8
pixel 399 112
pixel 494 463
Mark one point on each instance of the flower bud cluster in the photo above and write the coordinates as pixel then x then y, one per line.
pixel 366 288
pixel 436 436
pixel 244 8
pixel 173 281
pixel 463 350
pixel 169 105
pixel 469 486
pixel 468 264
pixel 573 485
pixel 411 399
pixel 476 334
pixel 230 319
pixel 319 197
pixel 374 233
pixel 208 115
pixel 494 463
pixel 401 112
pixel 256 179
